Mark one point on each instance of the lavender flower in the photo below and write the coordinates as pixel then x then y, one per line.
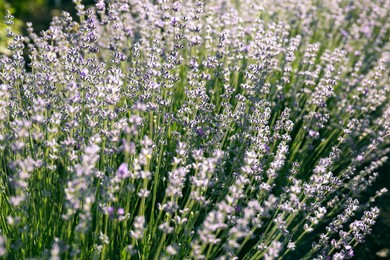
pixel 217 129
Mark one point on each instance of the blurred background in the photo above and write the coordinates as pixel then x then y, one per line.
pixel 40 12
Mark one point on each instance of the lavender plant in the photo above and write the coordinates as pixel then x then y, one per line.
pixel 194 130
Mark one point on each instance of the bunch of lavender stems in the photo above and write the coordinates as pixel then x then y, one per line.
pixel 194 130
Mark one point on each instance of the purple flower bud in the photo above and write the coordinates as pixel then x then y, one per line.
pixel 267 148
pixel 200 132
pixel 121 211
pixel 100 6
pixel 360 158
pixel 92 37
pixel 366 30
pixel 174 21
pixel 238 209
pixel 124 8
pixel 349 253
pixel 110 210
pixel 123 171
pixel 175 6
pixel 93 49
pixel 84 72
pixel 159 24
pixel 344 33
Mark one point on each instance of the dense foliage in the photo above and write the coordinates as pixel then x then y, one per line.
pixel 194 129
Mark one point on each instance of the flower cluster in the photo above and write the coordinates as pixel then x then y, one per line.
pixel 194 129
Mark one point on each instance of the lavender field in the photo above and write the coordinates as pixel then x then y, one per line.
pixel 220 129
